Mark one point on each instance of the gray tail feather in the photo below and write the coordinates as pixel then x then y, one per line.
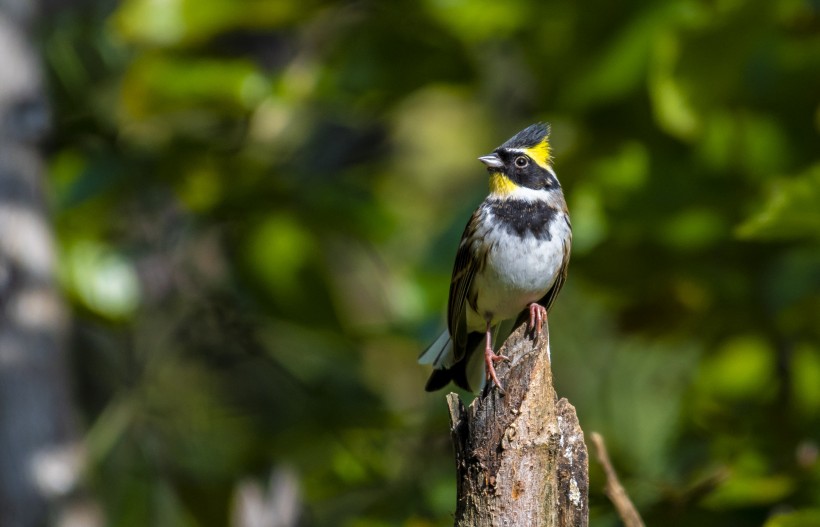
pixel 439 353
pixel 467 373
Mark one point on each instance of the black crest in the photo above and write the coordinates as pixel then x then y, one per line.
pixel 529 136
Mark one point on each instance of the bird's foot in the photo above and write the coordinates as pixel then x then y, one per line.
pixel 538 316
pixel 490 358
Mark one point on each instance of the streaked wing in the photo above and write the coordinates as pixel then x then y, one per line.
pixel 549 298
pixel 463 272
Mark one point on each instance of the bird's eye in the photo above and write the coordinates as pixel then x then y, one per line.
pixel 521 161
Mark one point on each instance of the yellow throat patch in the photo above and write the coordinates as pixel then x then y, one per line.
pixel 501 185
pixel 540 153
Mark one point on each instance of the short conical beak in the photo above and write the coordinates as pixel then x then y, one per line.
pixel 492 161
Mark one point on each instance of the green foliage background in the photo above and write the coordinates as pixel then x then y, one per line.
pixel 258 205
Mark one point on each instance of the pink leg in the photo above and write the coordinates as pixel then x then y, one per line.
pixel 538 316
pixel 490 357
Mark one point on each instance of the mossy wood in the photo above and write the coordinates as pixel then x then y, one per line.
pixel 521 457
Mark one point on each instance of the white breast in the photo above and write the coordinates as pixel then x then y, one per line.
pixel 518 271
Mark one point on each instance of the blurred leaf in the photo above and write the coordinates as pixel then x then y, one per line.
pixel 741 369
pixel 791 212
pixel 589 223
pixel 744 490
pixel 478 20
pixel 185 22
pixel 750 142
pixel 158 83
pixel 277 251
pixel 620 65
pixel 201 188
pixel 806 368
pixel 441 496
pixel 643 411
pixel 671 100
pixel 800 518
pixel 430 165
pixel 694 229
pixel 625 171
pixel 104 280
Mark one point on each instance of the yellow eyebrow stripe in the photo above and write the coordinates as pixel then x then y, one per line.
pixel 540 153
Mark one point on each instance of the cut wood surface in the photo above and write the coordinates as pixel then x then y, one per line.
pixel 520 457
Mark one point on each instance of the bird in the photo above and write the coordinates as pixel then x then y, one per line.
pixel 511 262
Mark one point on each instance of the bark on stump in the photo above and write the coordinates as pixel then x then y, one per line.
pixel 520 457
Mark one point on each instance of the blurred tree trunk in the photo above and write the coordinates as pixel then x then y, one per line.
pixel 39 459
pixel 520 457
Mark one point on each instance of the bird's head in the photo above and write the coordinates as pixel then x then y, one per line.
pixel 522 162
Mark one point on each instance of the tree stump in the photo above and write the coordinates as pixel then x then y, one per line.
pixel 520 457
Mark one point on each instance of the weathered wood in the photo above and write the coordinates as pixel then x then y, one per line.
pixel 520 457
